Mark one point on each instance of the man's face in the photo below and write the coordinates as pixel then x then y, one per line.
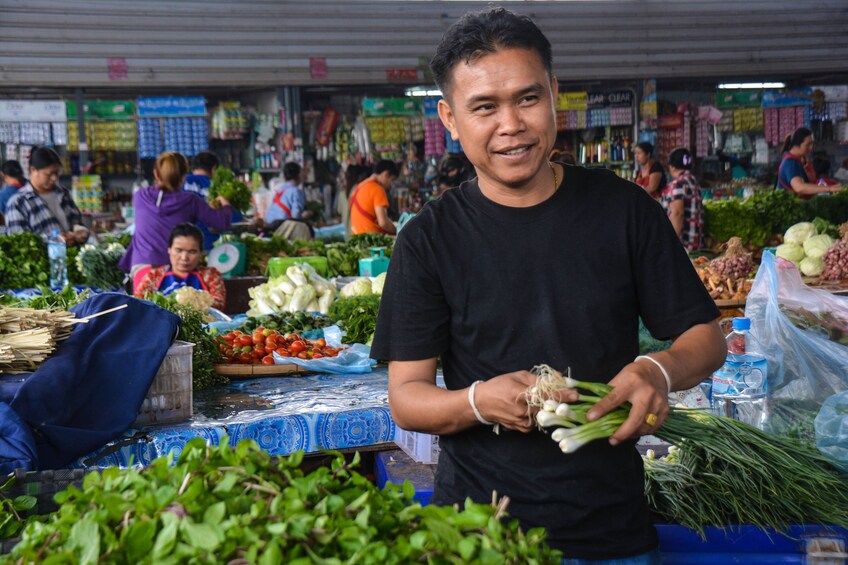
pixel 501 108
pixel 184 254
pixel 385 179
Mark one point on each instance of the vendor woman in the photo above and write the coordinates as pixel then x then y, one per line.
pixel 792 175
pixel 184 248
pixel 650 176
pixel 42 206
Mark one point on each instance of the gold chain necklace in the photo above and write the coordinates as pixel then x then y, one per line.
pixel 556 179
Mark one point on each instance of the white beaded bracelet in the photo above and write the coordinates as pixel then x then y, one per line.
pixel 658 364
pixel 480 418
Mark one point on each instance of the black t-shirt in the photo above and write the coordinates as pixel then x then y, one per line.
pixel 495 289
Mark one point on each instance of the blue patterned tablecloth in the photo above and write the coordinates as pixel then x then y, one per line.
pixel 282 414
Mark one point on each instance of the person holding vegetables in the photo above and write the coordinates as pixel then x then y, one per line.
pixel 42 205
pixel 185 246
pixel 792 174
pixel 159 208
pixel 681 200
pixel 556 265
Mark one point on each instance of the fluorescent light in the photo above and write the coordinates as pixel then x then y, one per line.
pixel 421 91
pixel 751 85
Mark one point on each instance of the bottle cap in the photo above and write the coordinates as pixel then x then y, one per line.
pixel 54 233
pixel 741 324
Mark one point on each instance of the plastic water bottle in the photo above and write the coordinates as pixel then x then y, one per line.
pixel 740 386
pixel 57 255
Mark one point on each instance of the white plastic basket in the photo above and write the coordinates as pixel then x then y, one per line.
pixel 169 398
pixel 423 448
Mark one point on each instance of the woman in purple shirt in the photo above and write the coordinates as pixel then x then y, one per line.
pixel 159 208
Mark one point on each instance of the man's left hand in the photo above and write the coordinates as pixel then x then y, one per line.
pixel 644 388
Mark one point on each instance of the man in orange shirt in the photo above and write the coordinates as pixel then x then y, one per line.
pixel 369 205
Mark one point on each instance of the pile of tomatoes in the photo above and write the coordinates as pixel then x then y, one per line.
pixel 259 346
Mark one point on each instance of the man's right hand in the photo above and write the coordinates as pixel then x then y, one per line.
pixel 503 400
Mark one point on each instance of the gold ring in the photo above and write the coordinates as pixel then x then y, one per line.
pixel 651 419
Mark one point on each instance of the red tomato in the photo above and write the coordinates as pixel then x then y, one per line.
pixel 316 355
pixel 297 346
pixel 258 337
pixel 268 360
pixel 236 333
pixel 320 343
pixel 283 352
pixel 302 355
pixel 292 337
pixel 245 358
pixel 270 343
pixel 260 350
pixel 245 340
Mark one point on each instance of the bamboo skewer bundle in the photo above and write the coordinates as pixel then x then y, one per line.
pixel 28 336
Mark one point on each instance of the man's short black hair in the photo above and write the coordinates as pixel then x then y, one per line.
pixel 386 165
pixel 205 161
pixel 480 33
pixel 291 170
pixel 186 230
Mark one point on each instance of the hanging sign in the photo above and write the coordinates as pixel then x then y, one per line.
pixel 620 99
pixel 787 98
pixel 104 110
pixel 730 99
pixel 171 106
pixel 117 68
pixel 318 67
pixel 595 100
pixel 402 75
pixel 32 111
pixel 572 101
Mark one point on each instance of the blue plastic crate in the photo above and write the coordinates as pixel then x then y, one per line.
pixel 396 466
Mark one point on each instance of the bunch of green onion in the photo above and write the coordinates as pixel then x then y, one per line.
pixel 725 473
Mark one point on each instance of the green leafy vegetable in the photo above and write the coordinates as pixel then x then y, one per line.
pixel 368 240
pixel 220 504
pixel 205 353
pixel 260 250
pixel 63 300
pixel 356 315
pixel 99 265
pixel 23 261
pixel 226 184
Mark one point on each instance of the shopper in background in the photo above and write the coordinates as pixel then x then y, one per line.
pixel 203 167
pixel 183 269
pixel 42 206
pixel 369 205
pixel 287 215
pixel 651 175
pixel 792 174
pixel 159 208
pixel 681 200
pixel 821 165
pixel 348 178
pixel 12 175
pixel 535 262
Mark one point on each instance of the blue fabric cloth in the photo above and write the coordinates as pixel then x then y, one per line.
pixel 17 446
pixel 649 558
pixel 292 196
pixel 199 185
pixel 5 194
pixel 90 390
pixel 789 169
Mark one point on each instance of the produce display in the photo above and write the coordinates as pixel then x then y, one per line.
pixel 727 472
pixel 300 289
pixel 722 287
pixel 364 286
pixel 357 316
pixel 260 346
pixel 835 259
pixel 805 247
pixel 29 336
pixel 198 299
pixel 226 184
pixel 238 505
pixel 99 265
pixel 64 299
pixel 735 263
pixel 822 322
pixel 23 261
pixel 205 353
pixel 259 250
pixel 286 323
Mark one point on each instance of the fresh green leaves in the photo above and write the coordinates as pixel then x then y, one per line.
pixel 99 265
pixel 356 315
pixel 226 184
pixel 23 261
pixel 223 504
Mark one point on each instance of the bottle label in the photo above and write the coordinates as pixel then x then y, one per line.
pixel 741 375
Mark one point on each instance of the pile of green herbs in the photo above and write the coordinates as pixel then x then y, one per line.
pixel 206 351
pixel 343 258
pixel 226 184
pixel 99 265
pixel 758 218
pixel 62 300
pixel 238 505
pixel 23 261
pixel 728 472
pixel 286 322
pixel 357 316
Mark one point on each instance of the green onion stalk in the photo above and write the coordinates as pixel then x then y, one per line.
pixel 725 473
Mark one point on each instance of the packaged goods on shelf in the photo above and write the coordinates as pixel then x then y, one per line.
pixel 60 133
pixel 748 119
pixel 620 116
pixel 434 137
pixel 10 132
pixel 229 121
pixel 150 143
pixel 87 191
pixel 35 133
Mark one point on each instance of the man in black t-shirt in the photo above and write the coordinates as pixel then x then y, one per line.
pixel 536 262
